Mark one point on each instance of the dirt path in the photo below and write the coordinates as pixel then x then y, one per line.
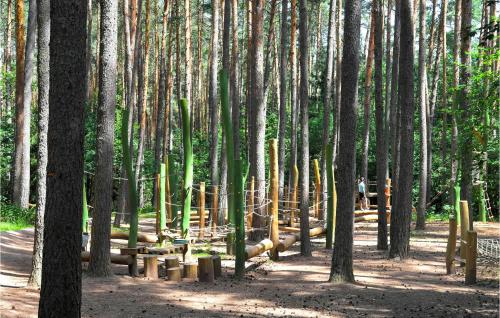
pixel 293 287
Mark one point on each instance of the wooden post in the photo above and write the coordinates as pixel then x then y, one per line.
pixel 215 206
pixel 217 265
pixel 470 263
pixel 388 193
pixel 273 162
pixel 201 201
pixel 464 227
pixel 450 247
pixel 295 191
pixel 168 194
pixel 171 261
pixel 250 202
pixel 163 217
pixel 174 274
pixel 317 191
pixel 151 266
pixel 206 269
pixel 190 270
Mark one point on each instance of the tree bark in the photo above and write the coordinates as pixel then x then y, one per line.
pixel 212 95
pixel 380 133
pixel 189 55
pixel 338 75
pixel 234 80
pixel 100 259
pixel 60 295
pixel 401 212
pixel 394 109
pixel 456 77
pixel 422 89
pixel 283 99
pixel 43 17
pixel 7 61
pixel 294 109
pixel 257 165
pixel 387 95
pixel 341 270
pixel 305 243
pixel 20 191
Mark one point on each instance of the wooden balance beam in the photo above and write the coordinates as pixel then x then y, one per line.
pixel 115 258
pixel 141 237
pixel 261 247
pixel 289 240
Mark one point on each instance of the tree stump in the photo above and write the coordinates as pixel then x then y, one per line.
pixel 151 266
pixel 206 269
pixel 190 270
pixel 217 266
pixel 174 274
pixel 171 261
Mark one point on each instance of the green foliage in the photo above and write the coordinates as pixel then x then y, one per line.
pixel 15 215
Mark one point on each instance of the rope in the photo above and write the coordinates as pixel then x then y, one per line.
pixel 489 250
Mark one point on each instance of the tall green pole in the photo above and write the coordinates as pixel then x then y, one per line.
pixel 330 184
pixel 456 206
pixel 239 219
pixel 163 218
pixel 228 133
pixel 132 191
pixel 85 214
pixel 482 204
pixel 173 181
pixel 188 167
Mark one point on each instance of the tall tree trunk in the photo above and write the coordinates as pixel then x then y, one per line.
pixel 388 84
pixel 380 134
pixel 338 82
pixel 100 259
pixel 341 270
pixel 394 109
pixel 189 55
pixel 283 99
pixel 212 95
pixel 43 17
pixel 257 166
pixel 444 89
pixel 60 295
pixel 401 212
pixel 234 80
pixel 368 94
pixel 20 193
pixel 456 77
pixel 294 109
pixel 88 62
pixel 463 95
pixel 7 57
pixel 422 89
pixel 327 96
pixel 305 243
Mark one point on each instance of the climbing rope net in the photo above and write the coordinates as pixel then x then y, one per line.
pixel 488 251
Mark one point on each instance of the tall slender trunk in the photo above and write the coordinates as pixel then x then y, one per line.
pixel 60 295
pixel 212 95
pixel 189 55
pixel 422 89
pixel 88 62
pixel 294 109
pixel 456 77
pixel 100 259
pixel 444 88
pixel 338 76
pixel 368 94
pixel 387 115
pixel 341 270
pixel 305 243
pixel 43 17
pixel 401 212
pixel 7 57
pixel 20 193
pixel 327 97
pixel 234 79
pixel 283 99
pixel 394 109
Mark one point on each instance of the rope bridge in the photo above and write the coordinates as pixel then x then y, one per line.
pixel 488 251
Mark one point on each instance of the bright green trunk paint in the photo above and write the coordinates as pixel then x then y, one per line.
pixel 163 218
pixel 456 207
pixel 482 204
pixel 188 167
pixel 85 214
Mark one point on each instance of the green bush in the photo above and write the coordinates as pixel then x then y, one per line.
pixel 14 214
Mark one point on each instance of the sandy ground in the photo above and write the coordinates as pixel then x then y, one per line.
pixel 293 287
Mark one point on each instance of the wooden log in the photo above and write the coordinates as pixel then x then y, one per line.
pixel 317 191
pixel 174 274
pixel 134 250
pixel 250 202
pixel 290 229
pixel 450 247
pixel 464 227
pixel 217 266
pixel 471 255
pixel 151 266
pixel 261 247
pixel 206 269
pixel 201 204
pixel 190 270
pixel 388 192
pixel 215 206
pixel 273 192
pixel 317 231
pixel 171 261
pixel 288 241
pixel 141 237
pixel 115 258
pixel 295 191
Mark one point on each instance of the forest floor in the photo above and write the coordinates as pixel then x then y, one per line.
pixel 293 287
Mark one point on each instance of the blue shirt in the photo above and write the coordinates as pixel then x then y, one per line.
pixel 361 187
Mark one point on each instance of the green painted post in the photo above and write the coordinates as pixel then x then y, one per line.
pixel 228 133
pixel 330 184
pixel 188 167
pixel 482 204
pixel 456 206
pixel 85 214
pixel 174 199
pixel 239 219
pixel 132 190
pixel 163 218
